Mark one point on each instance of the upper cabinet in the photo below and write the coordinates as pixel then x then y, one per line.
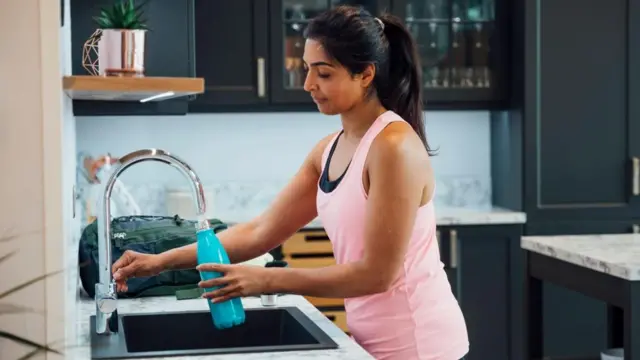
pixel 169 52
pixel 289 19
pixel 231 49
pixel 581 113
pixel 576 135
pixel 250 51
pixel 463 48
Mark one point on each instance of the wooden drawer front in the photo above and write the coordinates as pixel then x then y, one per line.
pixel 339 318
pixel 311 263
pixel 307 242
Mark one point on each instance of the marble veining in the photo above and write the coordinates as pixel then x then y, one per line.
pixel 614 254
pixel 348 349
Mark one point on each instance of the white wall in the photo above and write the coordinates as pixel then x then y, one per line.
pixel 244 159
pixel 32 186
pixel 72 224
pixel 250 147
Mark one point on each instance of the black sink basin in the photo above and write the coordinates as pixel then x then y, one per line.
pixel 193 333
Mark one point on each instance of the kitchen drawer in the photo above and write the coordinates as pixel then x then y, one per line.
pixel 316 262
pixel 339 318
pixel 310 262
pixel 307 242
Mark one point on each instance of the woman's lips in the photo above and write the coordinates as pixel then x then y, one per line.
pixel 318 100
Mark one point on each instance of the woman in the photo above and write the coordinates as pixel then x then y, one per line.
pixel 372 186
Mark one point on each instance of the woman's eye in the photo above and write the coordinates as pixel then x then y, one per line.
pixel 324 76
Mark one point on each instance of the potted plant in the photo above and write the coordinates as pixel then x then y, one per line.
pixel 7 309
pixel 121 39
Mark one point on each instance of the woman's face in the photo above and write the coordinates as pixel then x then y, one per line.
pixel 331 86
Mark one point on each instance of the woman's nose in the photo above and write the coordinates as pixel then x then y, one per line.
pixel 309 84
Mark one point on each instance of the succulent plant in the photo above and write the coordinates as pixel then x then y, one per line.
pixel 124 14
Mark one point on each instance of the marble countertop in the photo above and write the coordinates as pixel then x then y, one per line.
pixel 614 254
pixel 445 215
pixel 348 349
pixel 481 215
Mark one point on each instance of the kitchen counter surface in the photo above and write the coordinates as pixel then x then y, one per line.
pixel 445 215
pixel 486 215
pixel 614 254
pixel 348 349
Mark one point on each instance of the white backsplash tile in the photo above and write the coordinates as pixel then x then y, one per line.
pixel 245 159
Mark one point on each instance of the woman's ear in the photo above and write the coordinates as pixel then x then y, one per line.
pixel 367 75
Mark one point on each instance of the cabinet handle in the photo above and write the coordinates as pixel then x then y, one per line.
pixel 453 248
pixel 636 176
pixel 261 78
pixel 635 229
pixel 438 238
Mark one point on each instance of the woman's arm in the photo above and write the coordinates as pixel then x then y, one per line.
pixel 296 204
pixel 396 168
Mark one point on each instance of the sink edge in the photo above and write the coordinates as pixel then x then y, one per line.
pixel 114 346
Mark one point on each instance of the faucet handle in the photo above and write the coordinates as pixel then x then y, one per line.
pixel 106 300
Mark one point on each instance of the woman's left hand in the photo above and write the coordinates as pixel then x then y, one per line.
pixel 236 281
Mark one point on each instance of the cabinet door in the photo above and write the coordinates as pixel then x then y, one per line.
pixel 484 265
pixel 574 324
pixel 581 114
pixel 289 19
pixel 231 53
pixel 462 44
pixel 168 52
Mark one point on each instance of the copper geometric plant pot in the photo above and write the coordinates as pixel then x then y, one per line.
pixel 115 52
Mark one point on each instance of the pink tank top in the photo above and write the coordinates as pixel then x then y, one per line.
pixel 418 318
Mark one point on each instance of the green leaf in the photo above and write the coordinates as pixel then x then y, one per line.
pixel 8 309
pixel 7 238
pixel 26 284
pixel 7 256
pixel 122 15
pixel 21 340
pixel 30 354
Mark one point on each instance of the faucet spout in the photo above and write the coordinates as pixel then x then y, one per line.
pixel 105 295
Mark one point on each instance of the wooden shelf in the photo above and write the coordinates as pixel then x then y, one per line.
pixel 141 89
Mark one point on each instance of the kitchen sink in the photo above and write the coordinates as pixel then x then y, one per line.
pixel 192 333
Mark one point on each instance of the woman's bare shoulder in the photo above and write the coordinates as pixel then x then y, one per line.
pixel 315 156
pixel 398 145
pixel 399 139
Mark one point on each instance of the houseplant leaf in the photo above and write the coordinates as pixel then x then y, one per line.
pixel 7 256
pixel 30 354
pixel 21 340
pixel 8 309
pixel 122 15
pixel 26 284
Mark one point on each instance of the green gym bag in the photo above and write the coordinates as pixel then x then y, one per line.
pixel 144 234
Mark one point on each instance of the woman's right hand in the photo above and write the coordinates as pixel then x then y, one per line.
pixel 134 264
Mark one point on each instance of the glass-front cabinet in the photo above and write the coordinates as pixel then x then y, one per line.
pixel 289 19
pixel 462 45
pixel 463 48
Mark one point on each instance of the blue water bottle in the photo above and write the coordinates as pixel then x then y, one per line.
pixel 228 313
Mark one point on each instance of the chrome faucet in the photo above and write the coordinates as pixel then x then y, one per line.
pixel 105 295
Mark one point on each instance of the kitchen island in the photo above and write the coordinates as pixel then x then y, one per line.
pixel 605 267
pixel 347 349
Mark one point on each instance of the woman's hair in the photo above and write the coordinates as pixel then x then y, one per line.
pixel 355 39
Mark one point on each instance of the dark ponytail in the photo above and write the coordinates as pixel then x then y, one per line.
pixel 355 38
